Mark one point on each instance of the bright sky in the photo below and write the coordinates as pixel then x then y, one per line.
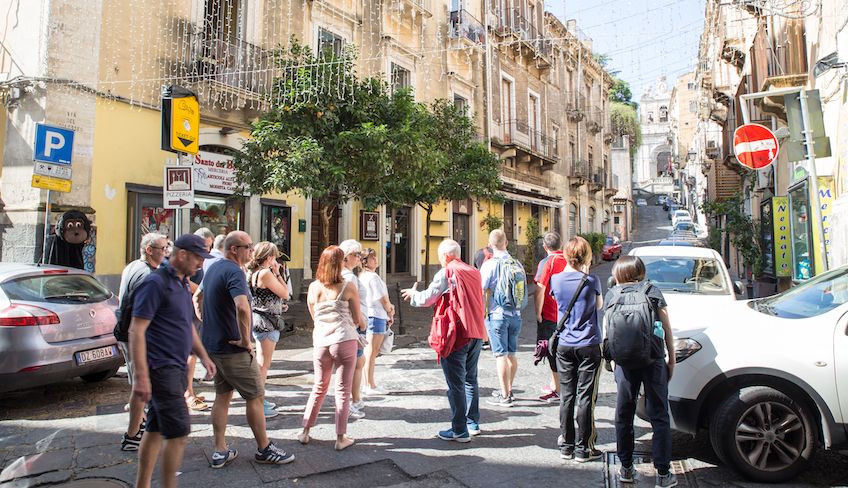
pixel 644 38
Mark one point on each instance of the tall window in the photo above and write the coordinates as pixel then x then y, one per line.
pixel 329 43
pixel 400 77
pixel 572 221
pixel 591 219
pixel 591 156
pixel 507 118
pixel 555 140
pixel 663 114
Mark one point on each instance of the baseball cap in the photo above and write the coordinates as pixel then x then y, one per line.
pixel 193 243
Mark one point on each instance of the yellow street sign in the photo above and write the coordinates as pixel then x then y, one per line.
pixel 185 124
pixel 50 183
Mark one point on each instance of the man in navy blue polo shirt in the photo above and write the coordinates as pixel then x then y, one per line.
pixel 161 337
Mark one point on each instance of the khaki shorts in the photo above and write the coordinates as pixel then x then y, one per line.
pixel 239 372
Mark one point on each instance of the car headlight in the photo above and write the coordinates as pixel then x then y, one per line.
pixel 683 348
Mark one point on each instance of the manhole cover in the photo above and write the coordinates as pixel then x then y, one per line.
pixel 645 467
pixel 95 483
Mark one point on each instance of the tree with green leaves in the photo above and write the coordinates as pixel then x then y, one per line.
pixel 325 136
pixel 441 161
pixel 625 122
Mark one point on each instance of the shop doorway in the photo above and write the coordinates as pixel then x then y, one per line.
pixel 462 227
pixel 509 221
pixel 315 234
pixel 398 231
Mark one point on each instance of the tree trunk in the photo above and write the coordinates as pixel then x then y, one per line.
pixel 326 212
pixel 429 210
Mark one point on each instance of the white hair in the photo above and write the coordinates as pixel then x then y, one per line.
pixel 450 247
pixel 148 240
pixel 350 246
pixel 204 233
pixel 219 242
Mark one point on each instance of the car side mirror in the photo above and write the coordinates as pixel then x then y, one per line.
pixel 738 288
pixel 611 282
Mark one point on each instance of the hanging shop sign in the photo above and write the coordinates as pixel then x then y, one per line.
pixel 214 173
pixel 782 248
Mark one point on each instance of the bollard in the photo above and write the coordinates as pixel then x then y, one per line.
pixel 399 308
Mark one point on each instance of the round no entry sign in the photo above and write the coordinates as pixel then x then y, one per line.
pixel 756 146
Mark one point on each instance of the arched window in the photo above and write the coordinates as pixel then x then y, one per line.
pixel 591 219
pixel 663 113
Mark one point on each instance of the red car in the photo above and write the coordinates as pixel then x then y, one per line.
pixel 612 249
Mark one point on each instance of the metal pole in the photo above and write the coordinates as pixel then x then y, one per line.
pixel 814 183
pixel 46 229
pixel 401 330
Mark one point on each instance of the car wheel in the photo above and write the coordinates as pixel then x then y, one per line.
pixel 99 376
pixel 763 434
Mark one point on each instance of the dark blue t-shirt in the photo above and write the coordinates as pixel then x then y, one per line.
pixel 165 300
pixel 582 327
pixel 222 282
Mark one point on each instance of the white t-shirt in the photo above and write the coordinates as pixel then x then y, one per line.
pixel 375 289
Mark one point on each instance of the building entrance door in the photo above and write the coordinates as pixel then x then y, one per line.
pixel 315 233
pixel 398 230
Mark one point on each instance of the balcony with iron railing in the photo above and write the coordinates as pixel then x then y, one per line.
pixel 519 133
pixel 776 60
pixel 512 23
pixel 415 6
pixel 597 180
pixel 466 27
pixel 578 172
pixel 523 176
pixel 611 188
pixel 594 119
pixel 232 64
pixel 576 106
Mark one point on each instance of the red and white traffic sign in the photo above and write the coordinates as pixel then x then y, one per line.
pixel 755 145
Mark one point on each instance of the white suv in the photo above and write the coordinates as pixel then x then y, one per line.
pixel 767 377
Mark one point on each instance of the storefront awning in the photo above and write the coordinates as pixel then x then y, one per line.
pixel 541 200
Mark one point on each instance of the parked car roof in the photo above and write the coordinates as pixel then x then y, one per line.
pixel 10 270
pixel 698 252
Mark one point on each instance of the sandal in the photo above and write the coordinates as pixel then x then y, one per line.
pixel 198 405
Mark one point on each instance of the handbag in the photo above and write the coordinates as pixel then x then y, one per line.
pixel 553 342
pixel 388 342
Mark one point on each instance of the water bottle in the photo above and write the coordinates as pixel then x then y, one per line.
pixel 658 329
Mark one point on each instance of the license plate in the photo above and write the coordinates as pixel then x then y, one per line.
pixel 98 354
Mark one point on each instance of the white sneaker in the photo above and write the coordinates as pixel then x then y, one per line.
pixel 359 405
pixel 379 391
pixel 355 413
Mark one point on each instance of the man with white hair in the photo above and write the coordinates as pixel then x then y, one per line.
pixel 456 335
pixel 152 253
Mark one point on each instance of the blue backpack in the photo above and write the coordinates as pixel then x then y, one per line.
pixel 510 284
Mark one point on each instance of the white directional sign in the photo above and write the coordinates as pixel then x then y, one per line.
pixel 179 192
pixel 54 170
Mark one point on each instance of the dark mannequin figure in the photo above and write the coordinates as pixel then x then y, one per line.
pixel 65 246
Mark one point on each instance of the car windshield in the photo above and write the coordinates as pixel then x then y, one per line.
pixel 684 226
pixel 820 294
pixel 684 274
pixel 64 288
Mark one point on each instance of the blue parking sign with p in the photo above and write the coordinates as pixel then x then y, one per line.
pixel 53 144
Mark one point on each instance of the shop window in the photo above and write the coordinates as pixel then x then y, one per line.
pixel 276 228
pixel 220 215
pixel 146 214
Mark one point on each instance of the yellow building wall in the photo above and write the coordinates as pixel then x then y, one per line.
pixel 522 213
pixel 439 230
pixel 126 149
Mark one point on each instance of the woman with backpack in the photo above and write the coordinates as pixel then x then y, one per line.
pixel 578 352
pixel 636 310
pixel 269 291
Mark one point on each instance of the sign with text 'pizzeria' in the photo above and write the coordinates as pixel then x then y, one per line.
pixel 214 173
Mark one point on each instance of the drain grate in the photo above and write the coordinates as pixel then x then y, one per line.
pixel 644 466
pixel 95 483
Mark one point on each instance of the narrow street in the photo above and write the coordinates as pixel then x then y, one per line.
pixel 71 431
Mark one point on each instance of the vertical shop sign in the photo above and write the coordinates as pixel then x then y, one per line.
pixel 782 250
pixel 826 202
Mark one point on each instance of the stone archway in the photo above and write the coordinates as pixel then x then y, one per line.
pixel 661 161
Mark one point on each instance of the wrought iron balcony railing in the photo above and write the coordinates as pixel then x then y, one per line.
pixel 463 25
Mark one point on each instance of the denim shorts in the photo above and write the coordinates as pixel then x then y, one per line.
pixel 274 336
pixel 377 326
pixel 359 349
pixel 503 335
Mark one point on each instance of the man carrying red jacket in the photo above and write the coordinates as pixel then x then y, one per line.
pixel 456 335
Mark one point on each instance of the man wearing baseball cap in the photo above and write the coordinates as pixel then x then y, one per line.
pixel 161 337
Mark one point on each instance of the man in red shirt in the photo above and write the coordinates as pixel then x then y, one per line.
pixel 546 306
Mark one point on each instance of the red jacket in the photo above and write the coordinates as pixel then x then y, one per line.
pixel 459 312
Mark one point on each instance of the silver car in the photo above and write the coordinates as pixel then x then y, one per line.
pixel 56 323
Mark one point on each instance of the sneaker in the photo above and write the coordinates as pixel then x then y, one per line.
pixel 566 452
pixel 355 413
pixel 379 391
pixel 501 400
pixel 666 480
pixel 473 428
pixel 546 389
pixel 359 405
pixel 550 397
pixel 270 412
pixel 626 475
pixel 131 443
pixel 269 404
pixel 450 435
pixel 143 426
pixel 221 458
pixel 584 456
pixel 273 455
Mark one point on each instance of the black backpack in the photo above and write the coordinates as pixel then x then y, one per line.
pixel 124 312
pixel 630 316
